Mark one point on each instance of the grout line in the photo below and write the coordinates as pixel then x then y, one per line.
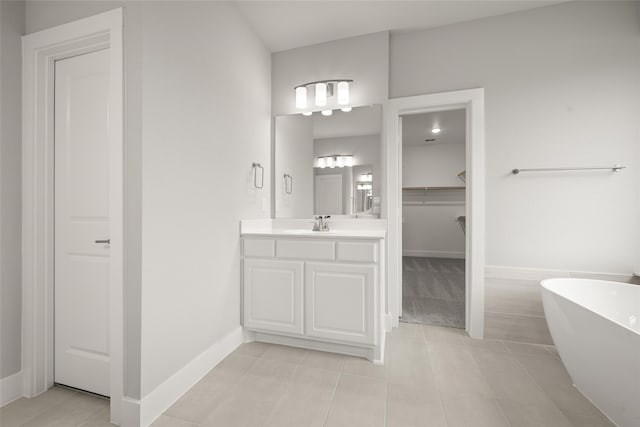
pixel 333 394
pixel 502 313
pixel 436 385
pixel 496 402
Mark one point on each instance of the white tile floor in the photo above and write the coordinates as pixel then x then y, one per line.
pixel 434 376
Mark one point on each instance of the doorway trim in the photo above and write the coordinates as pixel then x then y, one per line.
pixel 40 51
pixel 472 100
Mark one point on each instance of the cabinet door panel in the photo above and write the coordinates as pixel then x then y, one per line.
pixel 340 301
pixel 273 295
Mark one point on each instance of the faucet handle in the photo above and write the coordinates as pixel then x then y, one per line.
pixel 325 225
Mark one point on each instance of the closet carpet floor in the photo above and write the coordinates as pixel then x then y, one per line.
pixel 433 291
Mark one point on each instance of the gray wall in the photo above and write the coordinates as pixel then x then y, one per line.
pixel 206 119
pixel 11 30
pixel 562 88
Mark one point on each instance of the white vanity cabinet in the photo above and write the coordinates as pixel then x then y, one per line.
pixel 340 302
pixel 273 295
pixel 321 292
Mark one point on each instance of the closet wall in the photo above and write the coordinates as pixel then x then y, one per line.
pixel 430 227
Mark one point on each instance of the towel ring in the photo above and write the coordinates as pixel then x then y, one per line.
pixel 288 183
pixel 255 167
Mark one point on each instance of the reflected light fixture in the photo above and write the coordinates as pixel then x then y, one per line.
pixel 335 92
pixel 343 93
pixel 330 162
pixel 335 161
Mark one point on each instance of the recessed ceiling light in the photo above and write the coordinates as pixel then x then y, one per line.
pixel 435 130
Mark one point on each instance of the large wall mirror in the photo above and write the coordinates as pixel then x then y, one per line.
pixel 329 165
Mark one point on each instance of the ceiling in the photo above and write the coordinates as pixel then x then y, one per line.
pixel 417 127
pixel 284 25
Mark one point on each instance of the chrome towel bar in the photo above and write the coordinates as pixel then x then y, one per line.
pixel 615 168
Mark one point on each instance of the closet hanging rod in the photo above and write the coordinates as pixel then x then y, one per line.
pixel 615 168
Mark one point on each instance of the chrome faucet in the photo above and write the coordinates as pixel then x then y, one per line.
pixel 321 223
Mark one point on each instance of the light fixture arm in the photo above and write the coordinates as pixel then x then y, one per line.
pixel 323 81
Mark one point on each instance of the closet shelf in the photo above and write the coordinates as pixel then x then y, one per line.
pixel 435 203
pixel 433 188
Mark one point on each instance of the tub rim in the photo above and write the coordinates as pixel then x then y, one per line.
pixel 544 285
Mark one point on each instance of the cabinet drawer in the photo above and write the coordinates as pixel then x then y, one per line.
pixel 358 251
pixel 306 249
pixel 259 248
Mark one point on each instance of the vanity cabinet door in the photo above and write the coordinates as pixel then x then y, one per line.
pixel 340 301
pixel 273 296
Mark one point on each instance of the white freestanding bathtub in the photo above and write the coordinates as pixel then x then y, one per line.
pixel 595 325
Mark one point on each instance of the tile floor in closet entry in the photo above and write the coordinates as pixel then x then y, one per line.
pixel 434 376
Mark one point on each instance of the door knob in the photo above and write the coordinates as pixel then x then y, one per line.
pixel 107 241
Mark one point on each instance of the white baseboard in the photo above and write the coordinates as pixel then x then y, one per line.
pixel 433 254
pixel 388 322
pixel 352 350
pixel 142 413
pixel 502 272
pixel 11 388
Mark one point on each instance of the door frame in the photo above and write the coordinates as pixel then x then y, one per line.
pixel 472 100
pixel 40 51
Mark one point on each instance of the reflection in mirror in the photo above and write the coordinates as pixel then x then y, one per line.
pixel 328 165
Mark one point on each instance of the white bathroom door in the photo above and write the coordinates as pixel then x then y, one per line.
pixel 328 194
pixel 81 287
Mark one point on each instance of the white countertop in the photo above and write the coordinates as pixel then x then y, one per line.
pixel 333 234
pixel 351 229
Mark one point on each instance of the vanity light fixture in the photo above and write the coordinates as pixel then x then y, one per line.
pixel 301 97
pixel 321 94
pixel 334 161
pixel 323 91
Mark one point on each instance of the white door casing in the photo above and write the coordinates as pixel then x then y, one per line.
pixel 40 51
pixel 472 100
pixel 273 295
pixel 81 283
pixel 328 194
